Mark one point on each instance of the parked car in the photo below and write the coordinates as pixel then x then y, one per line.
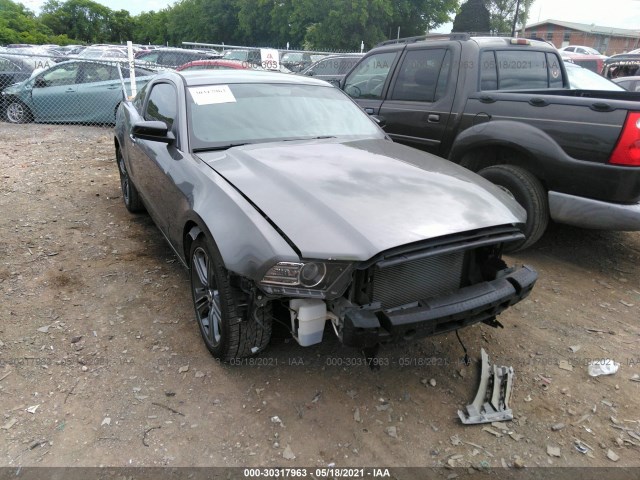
pixel 632 84
pixel 503 107
pixel 332 68
pixel 16 68
pixel 590 62
pixel 218 64
pixel 581 50
pixel 251 56
pixel 104 53
pixel 296 61
pixel 584 79
pixel 222 64
pixel 73 91
pixel 171 57
pixel 286 201
pixel 623 65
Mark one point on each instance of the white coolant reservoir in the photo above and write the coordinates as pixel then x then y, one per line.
pixel 311 316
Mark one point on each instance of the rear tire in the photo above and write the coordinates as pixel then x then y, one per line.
pixel 228 328
pixel 529 193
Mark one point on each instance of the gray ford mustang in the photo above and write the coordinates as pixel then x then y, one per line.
pixel 288 203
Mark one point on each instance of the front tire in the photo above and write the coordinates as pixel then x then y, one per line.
pixel 130 195
pixel 527 190
pixel 228 327
pixel 18 112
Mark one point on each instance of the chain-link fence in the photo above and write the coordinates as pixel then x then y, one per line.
pixel 45 86
pixel 61 89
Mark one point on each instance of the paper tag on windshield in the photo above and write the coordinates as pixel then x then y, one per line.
pixel 212 94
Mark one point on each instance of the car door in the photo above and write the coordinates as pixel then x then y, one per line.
pixel 98 92
pixel 150 160
pixel 369 80
pixel 54 93
pixel 418 104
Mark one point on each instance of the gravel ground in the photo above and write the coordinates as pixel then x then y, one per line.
pixel 101 362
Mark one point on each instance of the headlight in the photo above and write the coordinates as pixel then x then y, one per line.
pixel 307 279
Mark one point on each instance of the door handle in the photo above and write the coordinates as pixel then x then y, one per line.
pixel 113 87
pixel 433 118
pixel 70 90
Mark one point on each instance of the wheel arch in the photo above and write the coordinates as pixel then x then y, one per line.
pixel 507 142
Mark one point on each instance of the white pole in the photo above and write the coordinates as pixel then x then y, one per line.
pixel 361 46
pixel 132 70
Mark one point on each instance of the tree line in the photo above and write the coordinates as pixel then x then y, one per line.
pixel 309 24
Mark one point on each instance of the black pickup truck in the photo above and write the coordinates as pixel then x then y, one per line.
pixel 502 107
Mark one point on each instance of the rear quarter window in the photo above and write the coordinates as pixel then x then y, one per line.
pixel 517 70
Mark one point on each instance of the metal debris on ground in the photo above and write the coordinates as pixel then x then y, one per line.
pixel 491 403
pixel 602 367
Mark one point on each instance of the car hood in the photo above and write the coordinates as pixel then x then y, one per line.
pixel 354 199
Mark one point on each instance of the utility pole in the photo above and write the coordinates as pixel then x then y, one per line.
pixel 515 19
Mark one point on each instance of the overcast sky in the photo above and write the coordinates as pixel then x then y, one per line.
pixel 618 13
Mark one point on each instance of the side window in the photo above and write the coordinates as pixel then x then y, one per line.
pixel 8 66
pixel 443 78
pixel 95 72
pixel 521 70
pixel 555 72
pixel 329 66
pixel 488 72
pixel 367 80
pixel 138 102
pixel 61 75
pixel 418 76
pixel 347 64
pixel 162 104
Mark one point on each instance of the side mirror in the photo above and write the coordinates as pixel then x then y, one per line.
pixel 39 82
pixel 310 73
pixel 152 130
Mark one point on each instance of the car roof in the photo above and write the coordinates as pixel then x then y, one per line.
pixel 208 77
pixel 222 62
pixel 482 42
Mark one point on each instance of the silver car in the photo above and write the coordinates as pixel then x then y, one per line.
pixel 288 203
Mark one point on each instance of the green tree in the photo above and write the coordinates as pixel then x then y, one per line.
pixel 473 17
pixel 206 21
pixel 416 17
pixel 86 20
pixel 19 25
pixel 503 11
pixel 346 24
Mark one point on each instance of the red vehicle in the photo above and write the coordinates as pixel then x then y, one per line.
pixel 590 62
pixel 217 64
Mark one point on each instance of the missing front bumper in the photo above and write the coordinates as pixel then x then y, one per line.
pixel 476 303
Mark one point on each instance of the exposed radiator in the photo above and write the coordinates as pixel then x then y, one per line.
pixel 417 279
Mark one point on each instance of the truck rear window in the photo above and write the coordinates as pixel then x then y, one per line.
pixel 517 70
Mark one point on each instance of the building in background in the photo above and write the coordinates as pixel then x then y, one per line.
pixel 607 40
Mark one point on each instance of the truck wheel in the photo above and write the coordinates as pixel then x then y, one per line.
pixel 529 193
pixel 228 328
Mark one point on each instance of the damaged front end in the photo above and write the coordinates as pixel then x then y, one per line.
pixel 406 293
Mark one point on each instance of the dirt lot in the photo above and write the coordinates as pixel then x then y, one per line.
pixel 101 362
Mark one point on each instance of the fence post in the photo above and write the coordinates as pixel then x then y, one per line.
pixel 132 70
